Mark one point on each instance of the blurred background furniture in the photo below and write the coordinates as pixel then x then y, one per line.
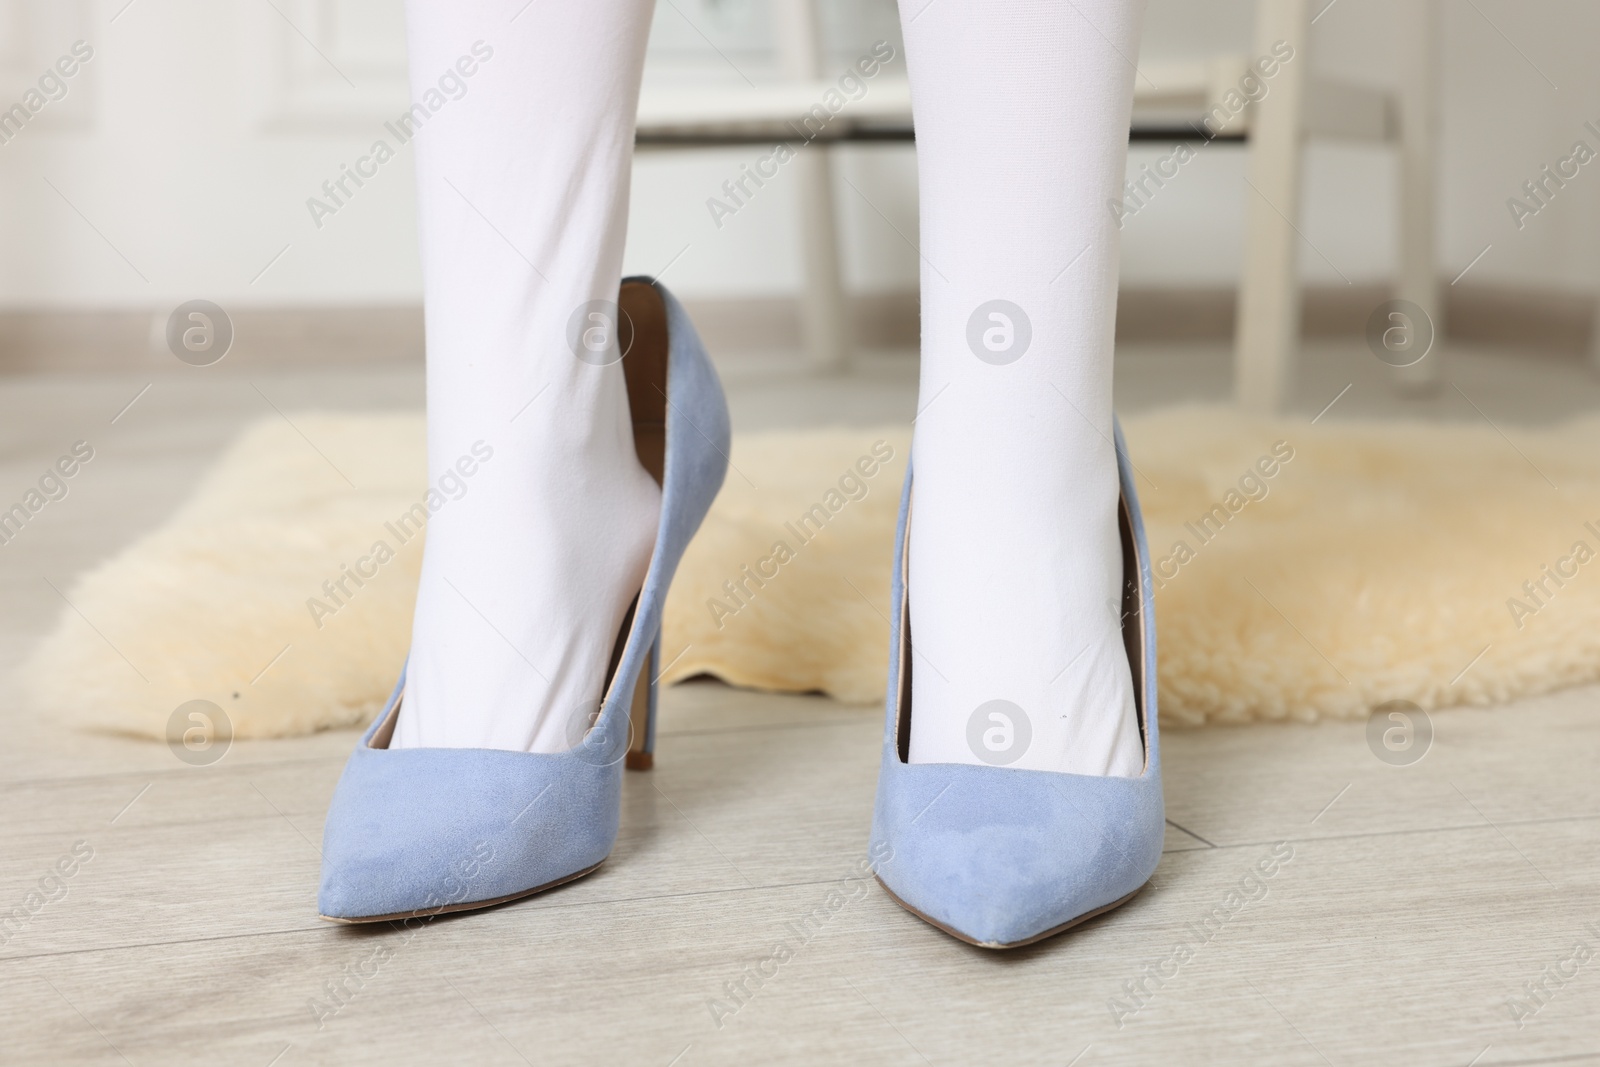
pixel 717 115
pixel 273 99
pixel 1300 106
pixel 1171 102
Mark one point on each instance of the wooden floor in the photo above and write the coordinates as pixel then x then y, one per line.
pixel 1419 901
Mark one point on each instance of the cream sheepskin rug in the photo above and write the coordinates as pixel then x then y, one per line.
pixel 1302 571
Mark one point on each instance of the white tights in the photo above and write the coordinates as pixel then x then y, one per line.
pixel 522 185
pixel 1016 567
pixel 1015 564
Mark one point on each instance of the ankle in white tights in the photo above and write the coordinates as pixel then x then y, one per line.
pixel 1015 567
pixel 523 190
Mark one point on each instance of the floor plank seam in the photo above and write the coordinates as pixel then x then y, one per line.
pixel 241 819
pixel 1573 1058
pixel 1191 833
pixel 223 772
pixel 323 926
pixel 1401 833
pixel 760 728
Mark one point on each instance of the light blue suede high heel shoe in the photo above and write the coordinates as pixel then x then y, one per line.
pixel 1000 857
pixel 420 831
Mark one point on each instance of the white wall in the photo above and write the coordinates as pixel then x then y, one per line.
pixel 1501 122
pixel 192 139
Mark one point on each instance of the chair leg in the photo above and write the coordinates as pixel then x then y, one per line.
pixel 824 329
pixel 824 326
pixel 1268 329
pixel 1415 26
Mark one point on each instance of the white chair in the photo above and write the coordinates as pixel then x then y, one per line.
pixel 701 115
pixel 1300 107
pixel 1172 101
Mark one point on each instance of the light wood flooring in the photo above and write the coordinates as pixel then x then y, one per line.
pixel 1418 902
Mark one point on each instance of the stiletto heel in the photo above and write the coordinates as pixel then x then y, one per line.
pixel 420 831
pixel 1001 857
pixel 642 717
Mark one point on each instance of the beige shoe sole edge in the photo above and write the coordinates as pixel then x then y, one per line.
pixel 470 905
pixel 1053 931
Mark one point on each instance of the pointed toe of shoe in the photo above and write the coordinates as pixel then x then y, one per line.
pixel 1002 858
pixel 429 830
